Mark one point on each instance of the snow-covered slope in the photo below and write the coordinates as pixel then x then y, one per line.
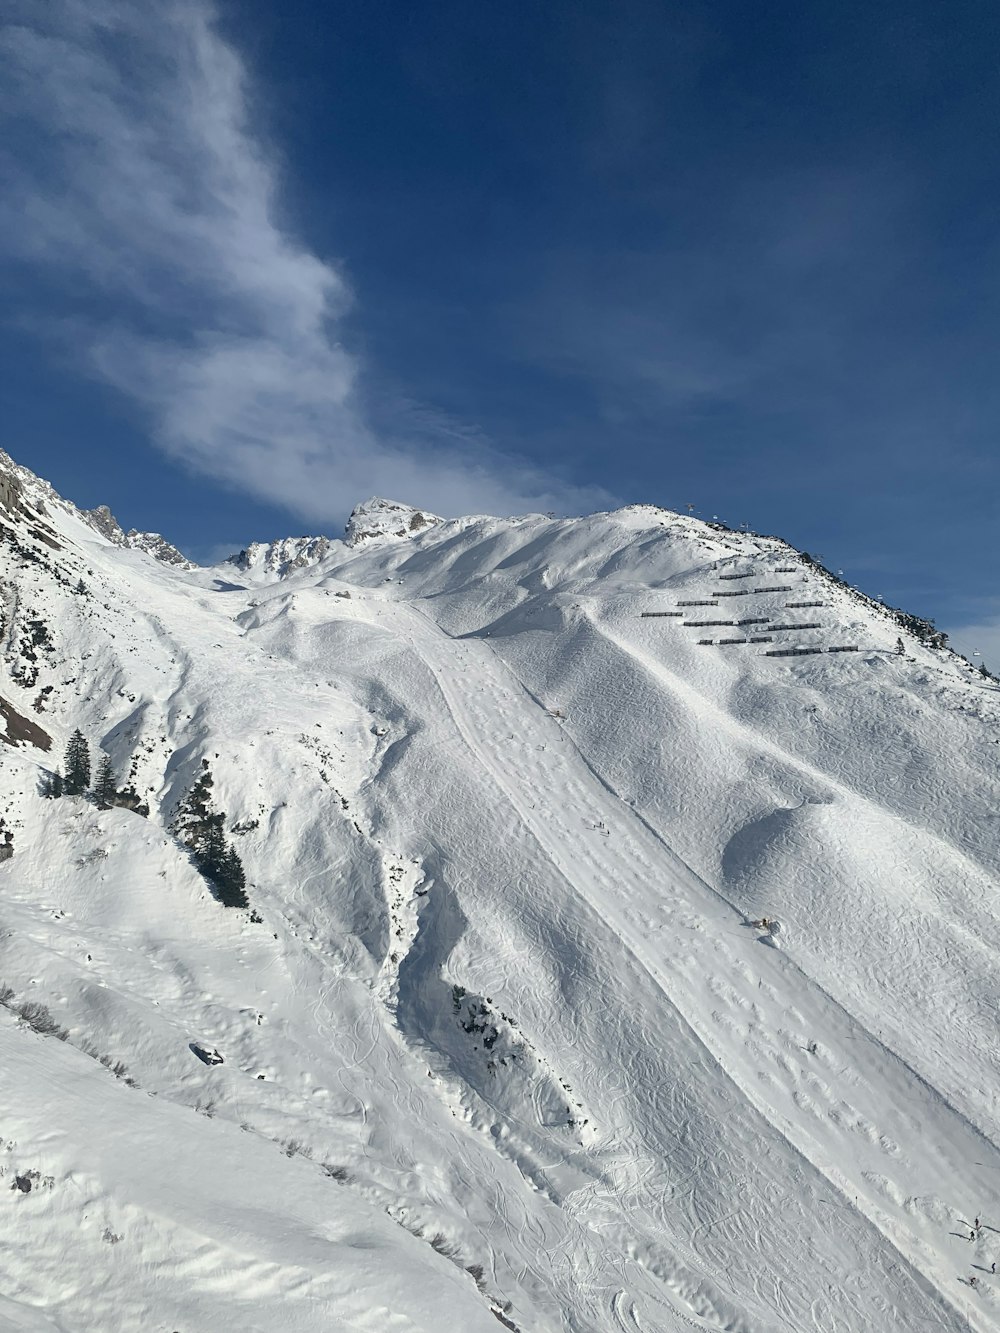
pixel 504 1045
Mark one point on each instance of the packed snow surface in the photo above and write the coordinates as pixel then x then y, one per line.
pixel 629 952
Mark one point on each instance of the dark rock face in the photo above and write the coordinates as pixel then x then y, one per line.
pixel 20 728
pixel 10 492
pixel 129 799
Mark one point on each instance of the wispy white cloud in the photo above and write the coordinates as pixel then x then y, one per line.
pixel 141 186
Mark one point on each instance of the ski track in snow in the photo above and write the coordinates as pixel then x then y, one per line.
pixel 631 860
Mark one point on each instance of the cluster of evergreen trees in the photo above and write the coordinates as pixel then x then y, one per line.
pixel 74 779
pixel 197 825
pixel 202 829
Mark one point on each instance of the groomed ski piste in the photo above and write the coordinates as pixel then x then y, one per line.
pixel 506 1048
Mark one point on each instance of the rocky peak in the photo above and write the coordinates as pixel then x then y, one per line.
pixel 281 557
pixel 378 519
pixel 158 547
pixel 102 520
pixel 19 487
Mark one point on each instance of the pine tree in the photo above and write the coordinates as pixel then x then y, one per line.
pixel 105 784
pixel 189 821
pixel 210 854
pixel 77 765
pixel 232 882
pixel 202 829
pixel 52 787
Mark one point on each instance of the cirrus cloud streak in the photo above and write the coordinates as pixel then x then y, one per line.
pixel 143 194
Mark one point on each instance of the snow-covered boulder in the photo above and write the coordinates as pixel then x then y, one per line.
pixel 208 1055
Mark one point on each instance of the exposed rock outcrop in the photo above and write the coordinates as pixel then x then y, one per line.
pixel 281 557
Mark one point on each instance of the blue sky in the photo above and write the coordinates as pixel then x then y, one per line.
pixel 262 261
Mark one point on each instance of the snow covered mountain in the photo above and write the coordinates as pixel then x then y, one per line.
pixel 500 1043
pixel 108 526
pixel 377 519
